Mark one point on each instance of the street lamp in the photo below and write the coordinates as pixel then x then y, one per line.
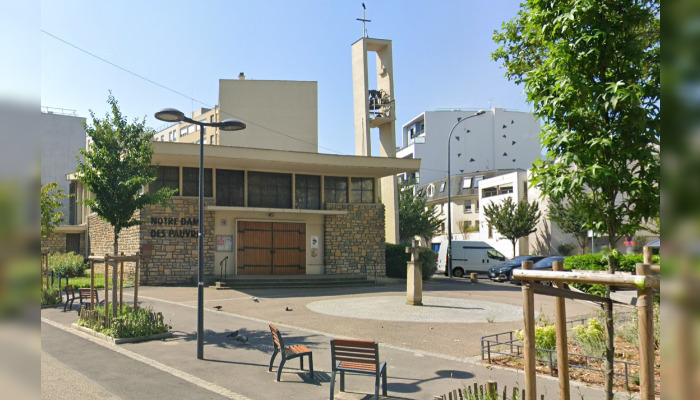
pixel 449 194
pixel 173 115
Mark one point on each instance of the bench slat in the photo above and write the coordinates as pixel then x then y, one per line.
pixel 346 365
pixel 354 343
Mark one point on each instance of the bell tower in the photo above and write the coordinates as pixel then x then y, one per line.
pixel 375 108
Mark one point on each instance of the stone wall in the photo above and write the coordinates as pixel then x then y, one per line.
pixel 168 240
pixel 56 243
pixel 355 242
pixel 101 237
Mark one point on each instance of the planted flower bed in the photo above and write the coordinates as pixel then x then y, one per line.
pixel 130 324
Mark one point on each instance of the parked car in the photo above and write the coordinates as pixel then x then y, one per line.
pixel 501 273
pixel 544 264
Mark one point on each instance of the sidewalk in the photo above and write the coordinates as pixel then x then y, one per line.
pixel 231 368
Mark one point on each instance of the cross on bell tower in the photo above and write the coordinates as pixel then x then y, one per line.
pixel 364 20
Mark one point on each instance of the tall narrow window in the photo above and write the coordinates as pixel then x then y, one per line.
pixel 229 188
pixel 168 177
pixel 190 182
pixel 336 189
pixel 269 190
pixel 307 192
pixel 467 206
pixel 362 190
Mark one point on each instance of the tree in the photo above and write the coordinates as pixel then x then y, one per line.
pixel 591 70
pixel 51 217
pixel 570 216
pixel 415 217
pixel 512 220
pixel 115 168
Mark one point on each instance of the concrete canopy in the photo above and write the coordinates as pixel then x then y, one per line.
pixel 240 158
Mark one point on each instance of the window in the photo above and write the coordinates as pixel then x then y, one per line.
pixel 162 138
pixel 467 206
pixel 431 190
pixel 211 139
pixel 183 131
pixel 410 133
pixel 505 190
pixel 205 141
pixel 269 190
pixel 494 255
pixel 362 190
pixel 168 177
pixel 211 118
pixel 336 189
pixel 190 129
pixel 190 182
pixel 229 188
pixel 476 209
pixel 476 180
pixel 488 192
pixel 307 192
pixel 442 187
pixel 466 183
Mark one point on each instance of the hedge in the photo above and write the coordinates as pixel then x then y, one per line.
pixel 397 260
pixel 599 262
pixel 67 264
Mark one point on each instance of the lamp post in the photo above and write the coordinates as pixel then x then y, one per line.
pixel 173 115
pixel 449 194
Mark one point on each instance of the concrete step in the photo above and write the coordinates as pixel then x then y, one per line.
pixel 303 281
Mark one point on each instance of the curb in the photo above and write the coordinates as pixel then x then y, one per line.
pixel 122 340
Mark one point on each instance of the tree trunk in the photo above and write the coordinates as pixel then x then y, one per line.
pixel 114 274
pixel 514 255
pixel 610 328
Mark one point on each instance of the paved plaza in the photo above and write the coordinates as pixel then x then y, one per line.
pixel 429 349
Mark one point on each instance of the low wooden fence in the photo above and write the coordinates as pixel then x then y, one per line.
pixel 484 392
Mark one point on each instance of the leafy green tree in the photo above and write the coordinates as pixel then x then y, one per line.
pixel 591 70
pixel 51 216
pixel 115 168
pixel 512 220
pixel 415 217
pixel 570 216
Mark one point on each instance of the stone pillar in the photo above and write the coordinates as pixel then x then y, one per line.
pixel 414 280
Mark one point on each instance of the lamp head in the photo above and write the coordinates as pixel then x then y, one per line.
pixel 480 112
pixel 170 115
pixel 231 125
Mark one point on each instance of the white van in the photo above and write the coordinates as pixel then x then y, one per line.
pixel 468 256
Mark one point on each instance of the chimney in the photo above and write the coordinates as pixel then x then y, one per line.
pixel 241 76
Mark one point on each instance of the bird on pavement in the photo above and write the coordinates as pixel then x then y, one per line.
pixel 233 334
pixel 255 299
pixel 288 309
pixel 241 338
pixel 218 308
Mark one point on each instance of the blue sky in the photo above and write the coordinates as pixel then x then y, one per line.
pixel 441 52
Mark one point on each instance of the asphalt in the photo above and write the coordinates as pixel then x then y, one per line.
pixel 426 356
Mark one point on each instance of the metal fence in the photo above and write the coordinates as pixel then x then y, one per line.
pixel 507 344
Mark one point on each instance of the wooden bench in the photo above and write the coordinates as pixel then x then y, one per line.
pixel 289 352
pixel 357 356
pixel 84 294
pixel 70 297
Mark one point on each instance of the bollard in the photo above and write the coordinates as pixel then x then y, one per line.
pixel 474 277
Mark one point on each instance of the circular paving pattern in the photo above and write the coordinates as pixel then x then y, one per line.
pixel 434 309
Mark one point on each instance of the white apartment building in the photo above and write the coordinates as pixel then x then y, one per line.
pixel 498 139
pixel 471 192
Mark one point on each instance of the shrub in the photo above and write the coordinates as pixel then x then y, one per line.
pixel 545 339
pixel 585 262
pixel 591 337
pixel 128 323
pixel 397 261
pixel 67 264
pixel 50 296
pixel 565 249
